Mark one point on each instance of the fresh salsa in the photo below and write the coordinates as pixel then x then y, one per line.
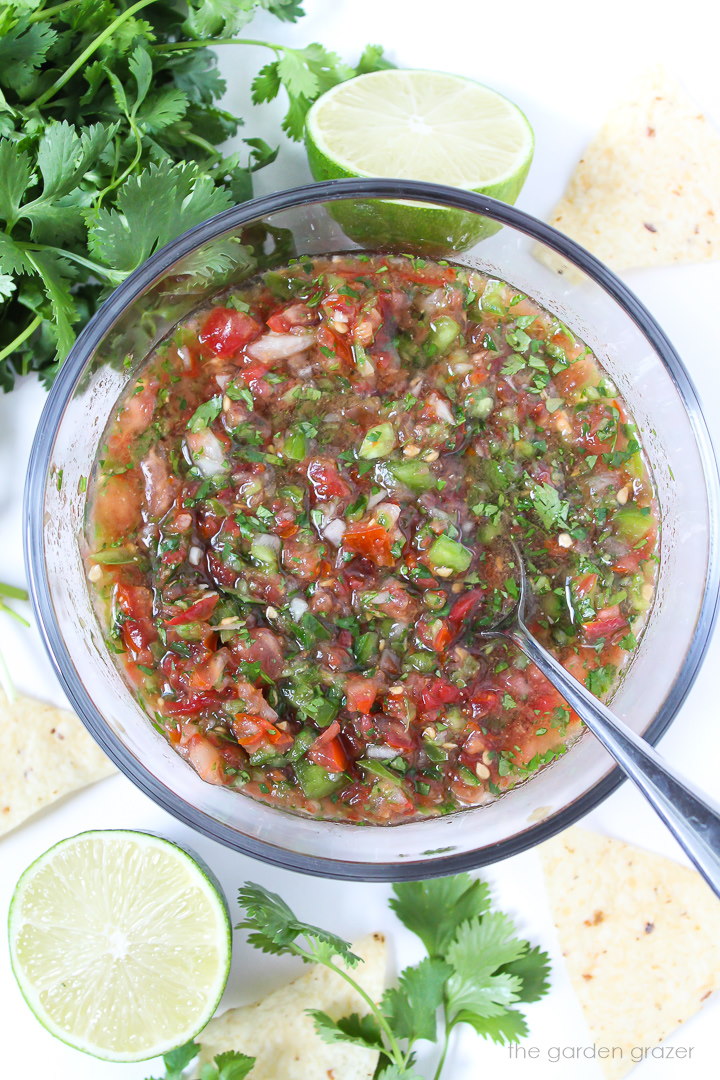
pixel 299 529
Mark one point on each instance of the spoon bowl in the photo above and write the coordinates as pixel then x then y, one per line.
pixel 693 820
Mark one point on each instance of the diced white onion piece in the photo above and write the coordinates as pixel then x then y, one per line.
pixel 186 356
pixel 222 380
pixel 441 408
pixel 279 346
pixel 334 531
pixel 207 452
pixel 387 514
pixel 195 555
pixel 381 753
pixel 268 541
pixel 298 607
pixel 377 498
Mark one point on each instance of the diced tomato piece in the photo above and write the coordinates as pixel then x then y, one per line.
pixel 328 751
pixel 360 693
pixel 294 315
pixel 251 731
pixel 583 586
pixel 138 629
pixel 371 540
pixel 607 623
pixel 439 692
pixel 395 734
pixel 326 481
pixel 225 331
pixel 201 610
pixel 462 607
pixel 192 704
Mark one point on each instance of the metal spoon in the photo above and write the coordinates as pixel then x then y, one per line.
pixel 694 822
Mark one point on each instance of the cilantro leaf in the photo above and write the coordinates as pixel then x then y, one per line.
pixel 373 59
pixel 359 1030
pixel 205 414
pixel 549 507
pixel 218 18
pixel 266 84
pixel 7 286
pixel 180 196
pixel 57 276
pixel 480 947
pixel 232 1065
pixel 15 176
pixel 600 679
pixel 177 1060
pixel 509 1026
pixel 274 928
pixel 435 909
pixel 397 1072
pixel 533 969
pixel 411 1007
pixel 23 49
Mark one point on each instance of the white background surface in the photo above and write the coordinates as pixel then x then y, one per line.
pixel 563 63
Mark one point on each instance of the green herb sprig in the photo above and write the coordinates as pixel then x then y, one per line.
pixel 477 970
pixel 110 136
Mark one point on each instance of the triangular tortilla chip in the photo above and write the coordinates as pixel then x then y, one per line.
pixel 281 1036
pixel 45 753
pixel 640 936
pixel 647 189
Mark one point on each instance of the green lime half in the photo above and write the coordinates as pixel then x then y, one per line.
pixel 419 125
pixel 120 943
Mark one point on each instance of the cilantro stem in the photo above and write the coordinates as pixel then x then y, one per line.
pixel 22 336
pixel 178 46
pixel 88 52
pixel 113 276
pixel 15 614
pixel 197 140
pixel 398 1056
pixel 47 13
pixel 446 1043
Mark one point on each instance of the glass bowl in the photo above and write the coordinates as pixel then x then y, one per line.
pixel 593 303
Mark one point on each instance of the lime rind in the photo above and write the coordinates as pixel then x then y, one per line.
pixel 392 223
pixel 75 936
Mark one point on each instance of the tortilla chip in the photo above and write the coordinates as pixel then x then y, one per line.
pixel 281 1036
pixel 45 753
pixel 647 189
pixel 640 936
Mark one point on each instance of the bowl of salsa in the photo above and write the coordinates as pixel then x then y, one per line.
pixel 270 509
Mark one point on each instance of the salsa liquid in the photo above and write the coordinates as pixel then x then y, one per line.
pixel 299 527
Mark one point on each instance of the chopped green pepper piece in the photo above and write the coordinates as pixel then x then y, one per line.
pixel 449 554
pixel 443 332
pixel 295 446
pixel 315 781
pixel 366 648
pixel 633 522
pixel 413 474
pixel 378 769
pixel 378 442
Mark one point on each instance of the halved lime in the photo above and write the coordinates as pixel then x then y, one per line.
pixel 419 125
pixel 120 943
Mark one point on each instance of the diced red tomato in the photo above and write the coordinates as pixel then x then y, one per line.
pixel 251 731
pixel 439 692
pixel 225 331
pixel 328 751
pixel 463 607
pixel 606 624
pixel 326 481
pixel 360 693
pixel 371 540
pixel 201 610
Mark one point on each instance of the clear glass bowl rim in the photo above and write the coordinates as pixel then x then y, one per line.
pixel 64 386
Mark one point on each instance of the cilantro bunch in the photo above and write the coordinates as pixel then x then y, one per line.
pixel 477 970
pixel 111 145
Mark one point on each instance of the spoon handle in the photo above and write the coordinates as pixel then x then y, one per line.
pixel 694 822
